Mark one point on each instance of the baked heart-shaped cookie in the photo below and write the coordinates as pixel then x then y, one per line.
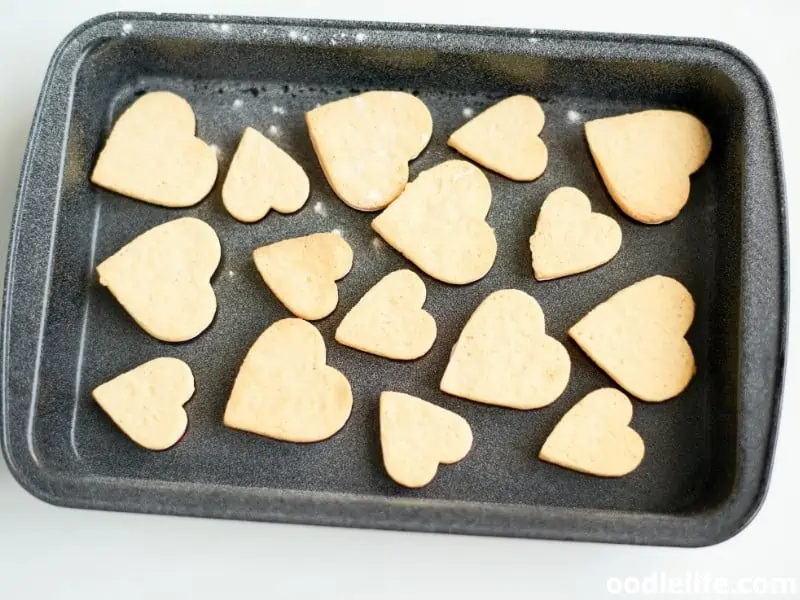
pixel 637 337
pixel 389 320
pixel 284 389
pixel 570 238
pixel 262 177
pixel 504 357
pixel 417 436
pixel 163 278
pixel 364 144
pixel 438 223
pixel 153 155
pixel 505 139
pixel 147 402
pixel 594 436
pixel 646 158
pixel 302 272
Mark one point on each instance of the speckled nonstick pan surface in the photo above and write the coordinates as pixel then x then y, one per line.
pixel 709 451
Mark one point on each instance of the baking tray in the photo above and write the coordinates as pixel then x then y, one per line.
pixel 709 451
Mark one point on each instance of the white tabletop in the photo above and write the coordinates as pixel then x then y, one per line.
pixel 49 552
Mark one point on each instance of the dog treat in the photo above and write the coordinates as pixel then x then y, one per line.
pixel 417 436
pixel 505 138
pixel 594 436
pixel 389 320
pixel 284 389
pixel 153 155
pixel 364 144
pixel 302 272
pixel 438 223
pixel 646 158
pixel 262 177
pixel 504 357
pixel 163 278
pixel 146 403
pixel 637 337
pixel 570 238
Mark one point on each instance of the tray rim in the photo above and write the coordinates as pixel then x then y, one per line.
pixel 365 511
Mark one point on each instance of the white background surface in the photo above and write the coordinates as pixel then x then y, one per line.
pixel 48 552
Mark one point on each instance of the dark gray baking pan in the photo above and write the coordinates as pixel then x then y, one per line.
pixel 709 451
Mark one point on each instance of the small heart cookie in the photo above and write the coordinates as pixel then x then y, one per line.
pixel 645 160
pixel 147 402
pixel 153 155
pixel 505 138
pixel 389 320
pixel 417 436
pixel 594 436
pixel 302 272
pixel 364 144
pixel 637 337
pixel 284 389
pixel 163 278
pixel 438 223
pixel 504 357
pixel 570 238
pixel 261 177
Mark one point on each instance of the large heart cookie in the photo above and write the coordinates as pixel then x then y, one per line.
pixel 261 177
pixel 645 160
pixel 417 436
pixel 594 436
pixel 147 402
pixel 389 320
pixel 636 336
pixel 438 223
pixel 153 155
pixel 364 144
pixel 284 389
pixel 505 138
pixel 163 278
pixel 302 272
pixel 570 238
pixel 504 357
